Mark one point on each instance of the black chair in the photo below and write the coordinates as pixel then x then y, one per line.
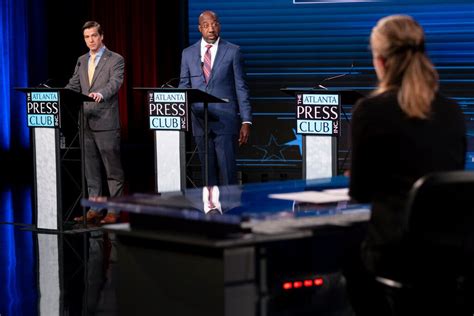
pixel 438 249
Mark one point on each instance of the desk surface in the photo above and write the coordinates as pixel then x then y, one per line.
pixel 248 206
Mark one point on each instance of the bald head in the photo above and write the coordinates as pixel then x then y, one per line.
pixel 209 26
pixel 208 14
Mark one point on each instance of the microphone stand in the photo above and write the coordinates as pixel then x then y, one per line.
pixel 206 132
pixel 206 137
pixel 168 84
pixel 83 161
pixel 334 77
pixel 206 148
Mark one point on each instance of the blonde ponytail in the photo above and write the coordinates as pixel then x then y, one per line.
pixel 399 40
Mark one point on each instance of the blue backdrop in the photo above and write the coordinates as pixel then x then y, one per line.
pixel 17 261
pixel 13 73
pixel 299 43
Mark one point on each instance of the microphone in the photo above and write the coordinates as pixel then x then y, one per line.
pixel 168 83
pixel 334 77
pixel 201 61
pixel 45 84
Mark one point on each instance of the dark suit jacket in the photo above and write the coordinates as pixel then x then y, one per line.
pixel 108 78
pixel 227 82
pixel 389 153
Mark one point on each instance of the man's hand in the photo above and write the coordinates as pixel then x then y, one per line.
pixel 96 96
pixel 244 134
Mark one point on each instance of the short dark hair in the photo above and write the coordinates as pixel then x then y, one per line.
pixel 91 24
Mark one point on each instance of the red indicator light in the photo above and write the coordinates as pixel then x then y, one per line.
pixel 308 283
pixel 287 286
pixel 297 284
pixel 318 281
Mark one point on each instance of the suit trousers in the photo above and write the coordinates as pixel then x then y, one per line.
pixel 222 155
pixel 103 148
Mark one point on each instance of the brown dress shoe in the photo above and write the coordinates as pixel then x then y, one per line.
pixel 110 218
pixel 91 216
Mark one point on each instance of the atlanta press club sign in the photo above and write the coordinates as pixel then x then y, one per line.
pixel 318 114
pixel 42 109
pixel 168 111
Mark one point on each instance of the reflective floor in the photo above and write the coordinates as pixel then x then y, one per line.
pixel 52 274
pixel 73 273
pixel 76 272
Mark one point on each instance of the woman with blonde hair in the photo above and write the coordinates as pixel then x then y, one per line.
pixel 403 131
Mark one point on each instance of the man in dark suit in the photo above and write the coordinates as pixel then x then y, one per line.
pixel 99 74
pixel 216 66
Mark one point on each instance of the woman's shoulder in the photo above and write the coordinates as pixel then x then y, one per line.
pixel 443 104
pixel 384 97
pixel 376 103
pixel 445 107
pixel 441 99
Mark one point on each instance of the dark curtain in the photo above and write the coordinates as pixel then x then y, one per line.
pixel 147 34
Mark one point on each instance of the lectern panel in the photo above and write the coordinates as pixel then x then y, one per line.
pixel 170 149
pixel 318 157
pixel 46 177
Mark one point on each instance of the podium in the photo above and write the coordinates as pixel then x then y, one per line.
pixel 47 108
pixel 318 117
pixel 168 110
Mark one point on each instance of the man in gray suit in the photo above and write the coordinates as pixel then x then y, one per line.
pixel 99 74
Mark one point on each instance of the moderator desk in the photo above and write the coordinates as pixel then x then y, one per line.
pixel 233 250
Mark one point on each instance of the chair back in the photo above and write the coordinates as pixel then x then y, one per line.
pixel 439 229
pixel 437 249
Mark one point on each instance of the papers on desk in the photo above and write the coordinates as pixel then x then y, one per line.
pixel 316 197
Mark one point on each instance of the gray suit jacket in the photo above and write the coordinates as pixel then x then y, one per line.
pixel 108 78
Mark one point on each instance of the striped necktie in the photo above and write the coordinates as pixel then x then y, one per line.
pixel 206 68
